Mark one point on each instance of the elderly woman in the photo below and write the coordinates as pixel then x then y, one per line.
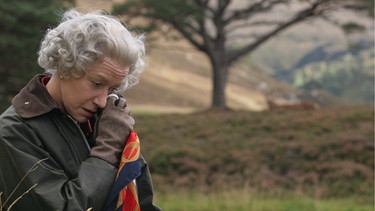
pixel 62 138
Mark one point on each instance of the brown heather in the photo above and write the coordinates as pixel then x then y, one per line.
pixel 323 153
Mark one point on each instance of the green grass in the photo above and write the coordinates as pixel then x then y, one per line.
pixel 244 201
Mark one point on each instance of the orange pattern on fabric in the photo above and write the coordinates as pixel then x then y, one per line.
pixel 128 196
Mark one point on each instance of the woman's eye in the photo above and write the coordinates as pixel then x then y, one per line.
pixel 97 84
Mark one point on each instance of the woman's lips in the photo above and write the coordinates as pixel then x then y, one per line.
pixel 89 113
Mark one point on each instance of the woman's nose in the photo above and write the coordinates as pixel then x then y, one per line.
pixel 101 100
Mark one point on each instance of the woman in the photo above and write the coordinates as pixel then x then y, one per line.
pixel 63 136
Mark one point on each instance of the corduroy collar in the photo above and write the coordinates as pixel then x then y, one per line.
pixel 34 100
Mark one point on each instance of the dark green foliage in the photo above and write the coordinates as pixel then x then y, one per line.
pixel 23 24
pixel 324 153
pixel 352 27
pixel 363 5
pixel 178 13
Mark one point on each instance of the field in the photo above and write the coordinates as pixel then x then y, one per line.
pixel 271 160
pixel 245 201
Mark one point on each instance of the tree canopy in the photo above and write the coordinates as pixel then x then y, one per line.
pixel 23 24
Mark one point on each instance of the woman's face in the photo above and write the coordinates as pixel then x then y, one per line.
pixel 82 97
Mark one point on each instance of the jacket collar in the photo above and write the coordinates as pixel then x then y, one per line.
pixel 34 100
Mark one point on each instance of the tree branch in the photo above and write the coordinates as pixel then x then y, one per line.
pixel 261 6
pixel 188 35
pixel 313 10
pixel 243 25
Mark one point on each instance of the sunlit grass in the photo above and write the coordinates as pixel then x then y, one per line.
pixel 241 201
pixel 158 110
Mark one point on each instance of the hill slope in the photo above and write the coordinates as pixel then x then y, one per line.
pixel 178 78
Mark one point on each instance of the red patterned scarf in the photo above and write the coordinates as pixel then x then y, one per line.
pixel 123 196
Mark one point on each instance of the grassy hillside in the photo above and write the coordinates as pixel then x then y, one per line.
pixel 175 78
pixel 327 53
pixel 178 78
pixel 326 153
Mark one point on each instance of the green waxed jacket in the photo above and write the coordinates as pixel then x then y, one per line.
pixel 35 135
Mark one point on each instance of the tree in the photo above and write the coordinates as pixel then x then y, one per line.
pixel 22 24
pixel 227 30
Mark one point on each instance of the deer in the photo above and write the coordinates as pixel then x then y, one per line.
pixel 298 105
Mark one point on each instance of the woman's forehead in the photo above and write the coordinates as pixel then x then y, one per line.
pixel 109 69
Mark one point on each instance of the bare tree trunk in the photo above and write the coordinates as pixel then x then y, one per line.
pixel 220 69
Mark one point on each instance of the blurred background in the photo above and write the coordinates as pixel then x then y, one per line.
pixel 243 105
